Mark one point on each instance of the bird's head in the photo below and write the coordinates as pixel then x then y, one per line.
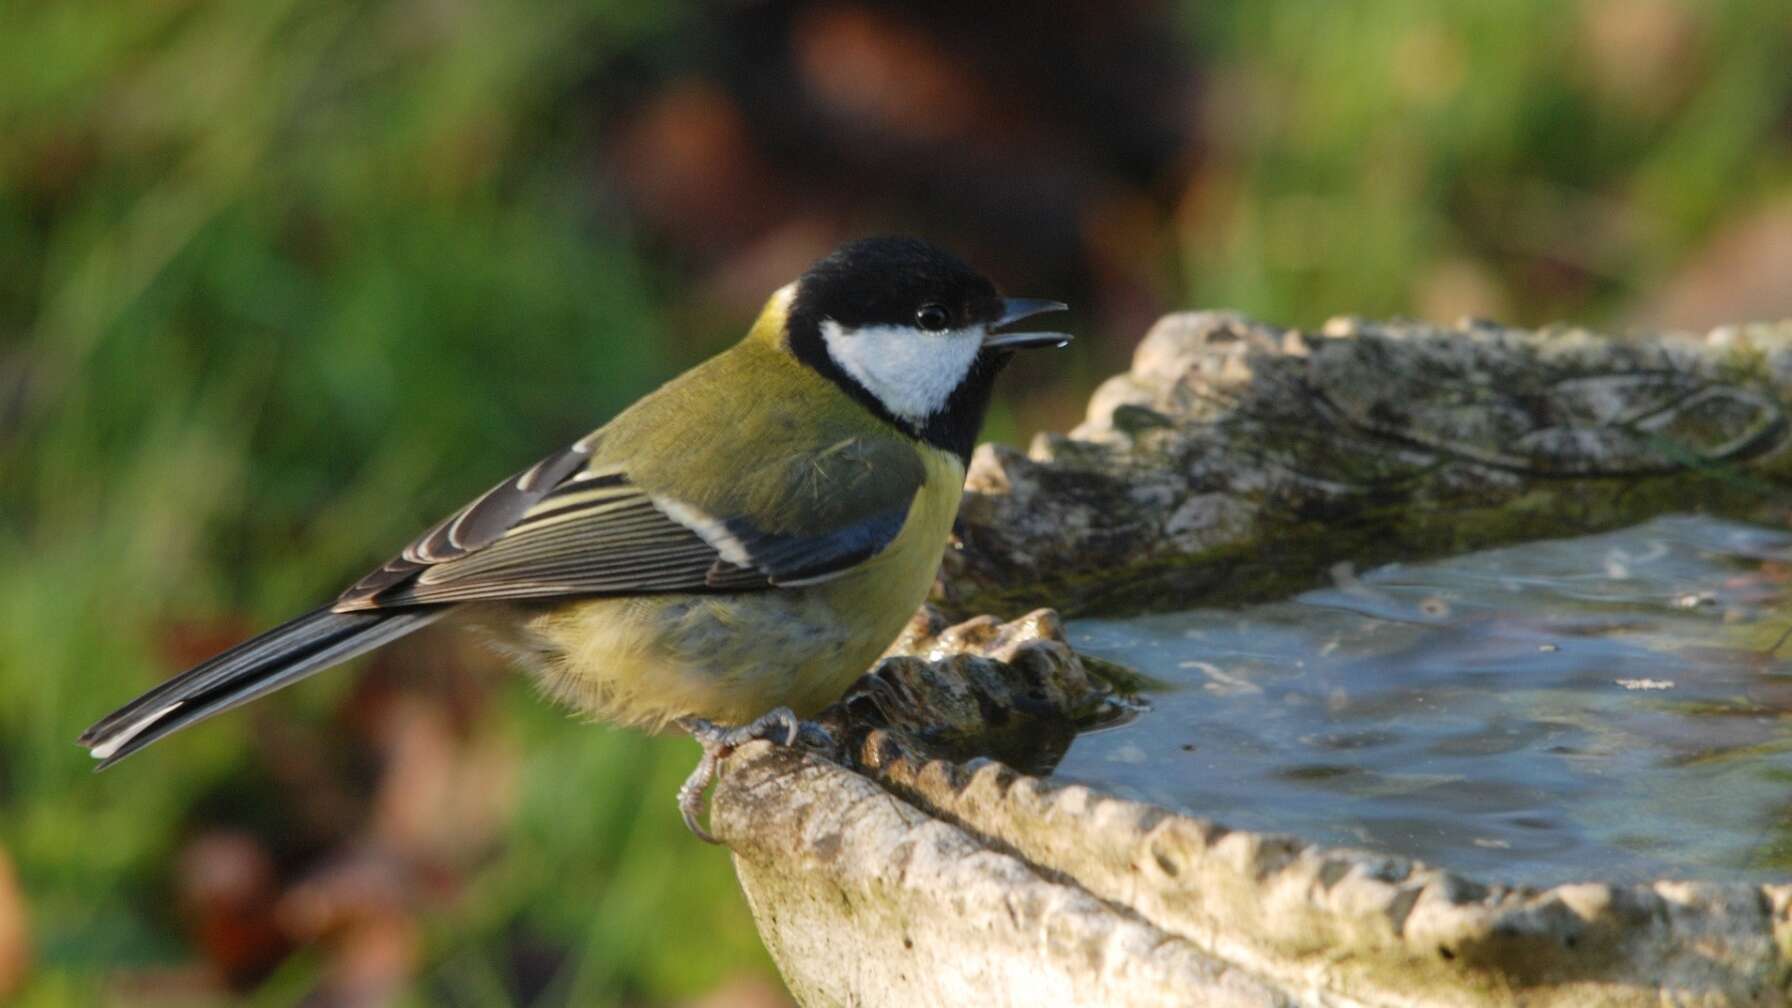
pixel 911 332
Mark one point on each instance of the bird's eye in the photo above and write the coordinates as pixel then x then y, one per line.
pixel 933 317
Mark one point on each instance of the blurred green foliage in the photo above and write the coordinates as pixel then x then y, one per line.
pixel 284 282
pixel 1534 159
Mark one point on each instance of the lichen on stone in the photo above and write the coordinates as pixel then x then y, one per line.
pixel 1236 461
pixel 1013 691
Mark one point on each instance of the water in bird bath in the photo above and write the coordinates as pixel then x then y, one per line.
pixel 1614 707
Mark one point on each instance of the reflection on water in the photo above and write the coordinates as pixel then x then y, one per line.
pixel 1616 707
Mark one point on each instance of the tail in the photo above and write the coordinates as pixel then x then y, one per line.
pixel 284 655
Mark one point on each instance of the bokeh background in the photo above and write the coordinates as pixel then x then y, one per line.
pixel 282 282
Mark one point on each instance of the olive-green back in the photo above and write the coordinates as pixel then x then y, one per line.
pixel 752 432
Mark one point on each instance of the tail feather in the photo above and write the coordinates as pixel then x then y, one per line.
pixel 260 665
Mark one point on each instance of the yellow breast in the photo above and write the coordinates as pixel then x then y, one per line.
pixel 648 660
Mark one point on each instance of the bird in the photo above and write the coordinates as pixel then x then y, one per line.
pixel 726 555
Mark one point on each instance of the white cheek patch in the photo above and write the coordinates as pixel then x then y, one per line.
pixel 911 371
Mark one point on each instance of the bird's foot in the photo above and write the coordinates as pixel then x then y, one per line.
pixel 718 741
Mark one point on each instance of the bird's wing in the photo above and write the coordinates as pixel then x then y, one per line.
pixel 574 524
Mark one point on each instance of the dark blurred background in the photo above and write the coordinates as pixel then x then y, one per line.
pixel 282 282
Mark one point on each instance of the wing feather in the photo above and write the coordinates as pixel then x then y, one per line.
pixel 567 526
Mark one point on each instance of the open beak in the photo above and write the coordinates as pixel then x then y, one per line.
pixel 1016 309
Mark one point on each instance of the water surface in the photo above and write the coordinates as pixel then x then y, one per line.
pixel 1614 707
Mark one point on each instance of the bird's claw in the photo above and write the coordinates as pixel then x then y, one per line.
pixel 718 741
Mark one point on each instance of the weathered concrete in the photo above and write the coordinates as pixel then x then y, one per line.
pixel 878 902
pixel 1238 461
pixel 906 868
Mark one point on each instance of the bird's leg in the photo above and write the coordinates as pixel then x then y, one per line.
pixel 718 742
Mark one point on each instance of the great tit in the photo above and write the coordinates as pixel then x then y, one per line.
pixel 733 549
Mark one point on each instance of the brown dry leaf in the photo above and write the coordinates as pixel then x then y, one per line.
pixel 186 643
pixel 738 282
pixel 1455 288
pixel 189 985
pixel 357 885
pixel 372 962
pixel 745 991
pixel 872 68
pixel 15 931
pixel 443 799
pixel 361 909
pixel 1739 273
pixel 1640 55
pixel 227 890
pixel 690 166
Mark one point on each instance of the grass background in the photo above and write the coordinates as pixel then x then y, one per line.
pixel 284 282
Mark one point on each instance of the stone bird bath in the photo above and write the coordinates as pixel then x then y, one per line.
pixel 931 859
